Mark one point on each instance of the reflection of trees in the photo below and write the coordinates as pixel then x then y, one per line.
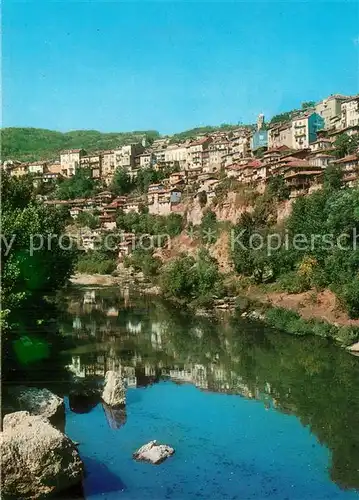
pixel 304 376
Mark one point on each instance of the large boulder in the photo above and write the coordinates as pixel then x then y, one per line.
pixel 153 452
pixel 114 392
pixel 37 460
pixel 41 402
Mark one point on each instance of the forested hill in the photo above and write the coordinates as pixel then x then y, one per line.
pixel 29 144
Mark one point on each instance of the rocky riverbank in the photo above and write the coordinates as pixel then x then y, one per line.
pixel 37 459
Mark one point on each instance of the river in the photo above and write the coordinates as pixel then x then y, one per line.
pixel 251 412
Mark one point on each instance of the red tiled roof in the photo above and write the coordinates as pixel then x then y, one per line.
pixel 297 163
pixel 254 164
pixel 303 172
pixel 199 141
pixel 348 158
pixel 66 151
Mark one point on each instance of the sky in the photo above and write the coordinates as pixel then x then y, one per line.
pixel 118 66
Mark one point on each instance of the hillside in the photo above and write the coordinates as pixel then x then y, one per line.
pixel 29 144
pixel 207 129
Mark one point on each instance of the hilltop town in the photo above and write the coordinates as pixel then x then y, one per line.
pixel 297 146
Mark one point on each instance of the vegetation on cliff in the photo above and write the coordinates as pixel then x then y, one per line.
pixel 316 247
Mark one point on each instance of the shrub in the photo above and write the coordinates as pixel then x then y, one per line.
pixel 86 219
pixel 91 265
pixel 188 278
pixel 144 261
pixel 202 198
pixel 349 295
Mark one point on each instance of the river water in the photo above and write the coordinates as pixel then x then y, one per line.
pixel 252 413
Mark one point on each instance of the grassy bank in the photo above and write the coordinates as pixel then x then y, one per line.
pixel 291 322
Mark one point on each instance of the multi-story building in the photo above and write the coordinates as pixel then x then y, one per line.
pixel 350 113
pixel 321 144
pixel 125 157
pixel 176 154
pixel 350 167
pixel 280 135
pixel 93 163
pixel 305 128
pixel 195 152
pixel 146 159
pixel 38 167
pixel 17 168
pixel 330 108
pixel 240 143
pixel 217 152
pixel 70 161
pixel 108 165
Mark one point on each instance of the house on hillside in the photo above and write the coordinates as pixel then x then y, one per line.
pixel 350 166
pixel 305 128
pixel 330 108
pixel 70 160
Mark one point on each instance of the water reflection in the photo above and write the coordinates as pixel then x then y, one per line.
pixel 149 341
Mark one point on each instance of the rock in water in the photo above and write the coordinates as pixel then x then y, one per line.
pixel 41 402
pixel 37 460
pixel 114 393
pixel 153 452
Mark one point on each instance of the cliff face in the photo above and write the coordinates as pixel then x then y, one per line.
pixel 229 209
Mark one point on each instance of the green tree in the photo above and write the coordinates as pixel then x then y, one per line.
pixel 80 185
pixel 41 258
pixel 86 219
pixel 345 145
pixel 333 177
pixel 202 198
pixel 277 188
pixel 308 104
pixel 121 182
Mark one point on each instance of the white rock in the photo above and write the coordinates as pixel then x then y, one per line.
pixel 153 452
pixel 114 393
pixel 354 347
pixel 37 460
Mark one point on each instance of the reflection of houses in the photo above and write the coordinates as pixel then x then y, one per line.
pixel 90 297
pixel 134 327
pixel 156 336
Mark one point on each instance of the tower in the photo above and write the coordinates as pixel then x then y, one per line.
pixel 260 121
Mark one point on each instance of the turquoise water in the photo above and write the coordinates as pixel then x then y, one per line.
pixel 227 447
pixel 252 414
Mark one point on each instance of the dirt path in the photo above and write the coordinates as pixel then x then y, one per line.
pixel 321 305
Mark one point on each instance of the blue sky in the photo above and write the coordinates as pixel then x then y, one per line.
pixel 169 66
